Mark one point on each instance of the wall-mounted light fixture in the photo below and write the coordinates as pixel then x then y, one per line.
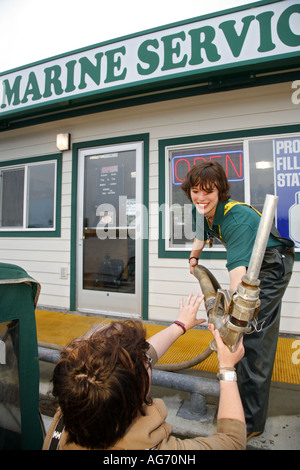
pixel 263 165
pixel 63 141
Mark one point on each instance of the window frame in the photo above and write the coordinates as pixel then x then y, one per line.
pixel 165 250
pixel 26 163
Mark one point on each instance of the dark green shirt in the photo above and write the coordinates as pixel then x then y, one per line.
pixel 235 225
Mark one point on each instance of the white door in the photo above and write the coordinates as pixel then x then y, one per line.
pixel 109 229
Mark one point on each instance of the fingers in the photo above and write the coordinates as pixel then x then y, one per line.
pixel 193 263
pixel 188 310
pixel 217 336
pixel 194 300
pixel 226 357
pixel 240 347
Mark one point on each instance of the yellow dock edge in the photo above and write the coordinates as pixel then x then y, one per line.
pixel 60 328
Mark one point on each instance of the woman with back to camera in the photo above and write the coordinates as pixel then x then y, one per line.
pixel 102 384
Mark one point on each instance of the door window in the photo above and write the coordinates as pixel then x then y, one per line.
pixel 109 274
pixel 109 222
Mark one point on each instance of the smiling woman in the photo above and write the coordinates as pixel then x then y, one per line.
pixel 209 182
pixel 205 201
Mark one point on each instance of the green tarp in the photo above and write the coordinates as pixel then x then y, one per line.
pixel 20 423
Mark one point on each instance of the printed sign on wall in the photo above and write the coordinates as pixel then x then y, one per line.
pixel 287 187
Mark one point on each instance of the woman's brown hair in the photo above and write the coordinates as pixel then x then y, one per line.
pixel 101 383
pixel 209 175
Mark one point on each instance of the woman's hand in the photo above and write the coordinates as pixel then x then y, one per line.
pixel 193 262
pixel 188 311
pixel 230 404
pixel 162 340
pixel 225 356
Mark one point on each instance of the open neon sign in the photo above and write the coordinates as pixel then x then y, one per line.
pixel 232 162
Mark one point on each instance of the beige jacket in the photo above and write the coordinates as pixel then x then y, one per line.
pixel 152 432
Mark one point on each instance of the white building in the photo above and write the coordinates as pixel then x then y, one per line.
pixel 113 232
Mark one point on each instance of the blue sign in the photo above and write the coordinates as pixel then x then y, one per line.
pixel 287 187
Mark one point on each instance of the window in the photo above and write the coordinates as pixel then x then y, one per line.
pixel 181 161
pixel 274 166
pixel 255 166
pixel 29 196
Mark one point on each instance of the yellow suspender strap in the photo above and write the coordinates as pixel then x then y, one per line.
pixel 274 230
pixel 230 204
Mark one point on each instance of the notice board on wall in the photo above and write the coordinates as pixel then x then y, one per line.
pixel 287 187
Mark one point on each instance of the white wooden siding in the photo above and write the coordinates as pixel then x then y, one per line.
pixel 169 279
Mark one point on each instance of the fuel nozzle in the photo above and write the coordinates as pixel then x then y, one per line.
pixel 240 310
pixel 233 313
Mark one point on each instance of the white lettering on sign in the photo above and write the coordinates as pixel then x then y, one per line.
pixel 288 163
pixel 287 187
pixel 296 93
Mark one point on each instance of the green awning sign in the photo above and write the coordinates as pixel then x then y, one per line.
pixel 255 37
